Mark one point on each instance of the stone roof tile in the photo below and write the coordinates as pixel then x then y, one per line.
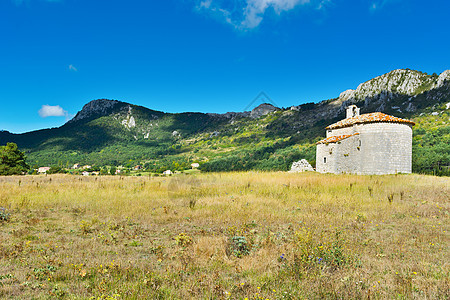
pixel 369 118
pixel 335 139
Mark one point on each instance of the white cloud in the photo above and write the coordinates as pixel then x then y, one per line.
pixel 248 14
pixel 73 68
pixel 52 111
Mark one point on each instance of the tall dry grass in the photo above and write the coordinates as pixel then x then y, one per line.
pixel 234 235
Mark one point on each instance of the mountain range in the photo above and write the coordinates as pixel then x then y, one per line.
pixel 111 132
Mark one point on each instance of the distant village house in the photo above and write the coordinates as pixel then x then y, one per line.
pixel 167 173
pixel 43 170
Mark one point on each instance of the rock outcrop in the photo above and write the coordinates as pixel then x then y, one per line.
pixel 444 77
pixel 96 108
pixel 262 110
pixel 301 166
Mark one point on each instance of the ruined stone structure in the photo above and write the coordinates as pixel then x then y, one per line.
pixel 373 143
pixel 301 166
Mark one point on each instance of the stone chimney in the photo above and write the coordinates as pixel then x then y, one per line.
pixel 352 111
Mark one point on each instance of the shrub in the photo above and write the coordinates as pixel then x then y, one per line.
pixel 238 246
pixel 4 216
pixel 183 239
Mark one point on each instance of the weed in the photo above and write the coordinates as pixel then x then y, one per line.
pixel 4 216
pixel 390 197
pixel 44 273
pixel 192 203
pixel 238 246
pixel 135 244
pixel 183 240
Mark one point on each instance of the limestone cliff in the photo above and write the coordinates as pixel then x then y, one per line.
pixel 385 88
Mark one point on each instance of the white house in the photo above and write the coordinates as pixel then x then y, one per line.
pixel 43 170
pixel 167 173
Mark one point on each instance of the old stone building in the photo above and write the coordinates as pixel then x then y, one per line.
pixel 373 143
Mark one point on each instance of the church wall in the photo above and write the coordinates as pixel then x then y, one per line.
pixel 386 148
pixel 347 156
pixel 324 159
pixel 341 131
pixel 340 157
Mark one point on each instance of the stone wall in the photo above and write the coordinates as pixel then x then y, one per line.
pixel 301 166
pixel 348 157
pixel 386 148
pixel 340 157
pixel 321 154
pixel 342 131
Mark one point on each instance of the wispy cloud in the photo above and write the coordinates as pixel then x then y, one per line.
pixel 52 111
pixel 379 4
pixel 73 68
pixel 248 14
pixel 323 4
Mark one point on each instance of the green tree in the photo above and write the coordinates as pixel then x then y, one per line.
pixel 12 160
pixel 56 170
pixel 112 171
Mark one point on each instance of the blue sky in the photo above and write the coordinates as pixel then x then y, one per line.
pixel 205 55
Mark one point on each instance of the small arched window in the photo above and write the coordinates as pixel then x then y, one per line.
pixel 324 160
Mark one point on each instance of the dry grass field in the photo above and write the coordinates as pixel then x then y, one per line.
pixel 225 236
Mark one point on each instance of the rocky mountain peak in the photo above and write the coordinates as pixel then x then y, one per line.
pixel 384 88
pixel 262 109
pixel 444 77
pixel 97 108
pixel 400 81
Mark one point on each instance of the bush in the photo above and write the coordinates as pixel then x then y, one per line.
pixel 238 246
pixel 4 216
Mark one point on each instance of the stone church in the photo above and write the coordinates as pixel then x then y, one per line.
pixel 373 143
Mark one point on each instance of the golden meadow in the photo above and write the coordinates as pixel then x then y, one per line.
pixel 225 236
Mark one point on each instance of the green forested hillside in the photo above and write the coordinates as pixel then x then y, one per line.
pixel 431 144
